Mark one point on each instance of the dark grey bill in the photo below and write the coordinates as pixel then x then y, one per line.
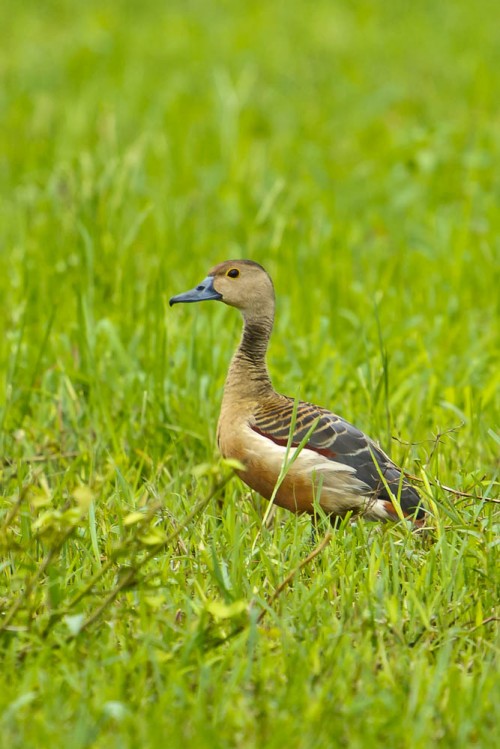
pixel 202 293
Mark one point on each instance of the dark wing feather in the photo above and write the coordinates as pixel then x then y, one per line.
pixel 336 439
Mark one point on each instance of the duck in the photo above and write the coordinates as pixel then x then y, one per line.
pixel 335 465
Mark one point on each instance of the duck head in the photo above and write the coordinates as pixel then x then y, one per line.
pixel 239 283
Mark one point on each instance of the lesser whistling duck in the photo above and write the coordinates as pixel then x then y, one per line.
pixel 337 464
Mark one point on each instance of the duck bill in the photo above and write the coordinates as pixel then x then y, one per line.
pixel 202 293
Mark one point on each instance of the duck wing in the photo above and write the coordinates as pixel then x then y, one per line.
pixel 336 439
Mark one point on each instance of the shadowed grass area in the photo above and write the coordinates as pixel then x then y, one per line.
pixel 351 148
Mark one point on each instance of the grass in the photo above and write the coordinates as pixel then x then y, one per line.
pixel 352 148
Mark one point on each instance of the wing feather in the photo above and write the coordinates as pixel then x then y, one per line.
pixel 339 441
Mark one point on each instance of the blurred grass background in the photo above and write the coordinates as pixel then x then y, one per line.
pixel 353 149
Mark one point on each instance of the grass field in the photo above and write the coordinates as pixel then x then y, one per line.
pixel 353 149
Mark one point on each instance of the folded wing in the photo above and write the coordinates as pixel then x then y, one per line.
pixel 337 440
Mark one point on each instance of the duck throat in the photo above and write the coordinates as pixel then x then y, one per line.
pixel 248 371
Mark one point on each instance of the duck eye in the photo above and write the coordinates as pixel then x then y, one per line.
pixel 233 273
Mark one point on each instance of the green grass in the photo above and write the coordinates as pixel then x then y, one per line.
pixel 353 149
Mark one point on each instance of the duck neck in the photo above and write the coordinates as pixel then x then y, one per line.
pixel 248 375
